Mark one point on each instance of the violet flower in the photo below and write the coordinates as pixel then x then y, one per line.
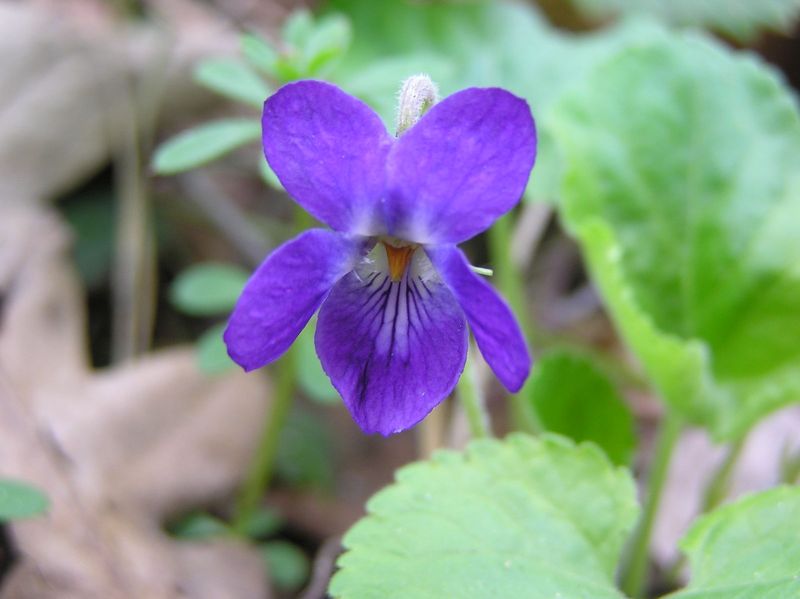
pixel 394 292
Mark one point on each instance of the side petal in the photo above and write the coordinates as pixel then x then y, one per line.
pixel 465 163
pixel 393 349
pixel 496 330
pixel 329 151
pixel 283 294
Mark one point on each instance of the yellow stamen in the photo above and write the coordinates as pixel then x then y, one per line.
pixel 398 259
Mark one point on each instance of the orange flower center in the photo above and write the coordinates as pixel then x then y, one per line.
pixel 398 259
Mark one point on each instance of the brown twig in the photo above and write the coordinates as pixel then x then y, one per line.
pixel 324 565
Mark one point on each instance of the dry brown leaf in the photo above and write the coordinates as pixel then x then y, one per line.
pixel 118 451
pixel 696 459
pixel 68 89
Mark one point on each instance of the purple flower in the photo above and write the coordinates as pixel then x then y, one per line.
pixel 394 292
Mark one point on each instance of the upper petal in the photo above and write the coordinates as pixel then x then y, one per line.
pixel 284 293
pixel 329 151
pixel 496 330
pixel 393 349
pixel 465 163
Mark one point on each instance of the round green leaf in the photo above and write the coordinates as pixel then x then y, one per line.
pixel 232 79
pixel 573 398
pixel 199 526
pixel 750 548
pixel 523 517
pixel 740 20
pixel 203 144
pixel 207 289
pixel 286 563
pixel 19 500
pixel 682 183
pixel 212 354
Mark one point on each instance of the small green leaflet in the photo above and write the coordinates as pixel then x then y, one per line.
pixel 259 53
pixel 199 526
pixel 204 143
pixel 19 500
pixel 572 397
pixel 747 549
pixel 287 565
pixel 682 184
pixel 232 79
pixel 524 517
pixel 207 289
pixel 741 19
pixel 211 352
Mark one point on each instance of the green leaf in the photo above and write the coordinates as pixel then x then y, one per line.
pixel 259 52
pixel 311 376
pixel 304 456
pixel 207 289
pixel 298 28
pixel 524 517
pixel 18 500
pixel 232 79
pixel 505 44
pixel 740 20
pixel 268 175
pixel 199 526
pixel 211 352
pixel 203 144
pixel 328 41
pixel 683 186
pixel 91 216
pixel 750 548
pixel 264 522
pixel 572 397
pixel 287 565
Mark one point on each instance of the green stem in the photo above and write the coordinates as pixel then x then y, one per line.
pixel 717 489
pixel 507 276
pixel 472 401
pixel 263 464
pixel 633 578
pixel 509 281
pixel 715 493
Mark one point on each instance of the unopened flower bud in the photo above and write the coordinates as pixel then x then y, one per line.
pixel 417 95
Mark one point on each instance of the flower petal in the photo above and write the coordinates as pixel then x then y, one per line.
pixel 329 151
pixel 284 293
pixel 465 163
pixel 496 331
pixel 393 349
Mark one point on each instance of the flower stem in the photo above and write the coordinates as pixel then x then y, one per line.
pixel 509 280
pixel 633 578
pixel 263 464
pixel 720 484
pixel 472 401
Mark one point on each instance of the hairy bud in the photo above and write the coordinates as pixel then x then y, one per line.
pixel 417 94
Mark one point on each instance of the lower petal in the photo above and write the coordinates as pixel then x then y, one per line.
pixel 284 293
pixel 394 349
pixel 496 331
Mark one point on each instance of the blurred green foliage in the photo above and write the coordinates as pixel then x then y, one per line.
pixel 571 396
pixel 19 500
